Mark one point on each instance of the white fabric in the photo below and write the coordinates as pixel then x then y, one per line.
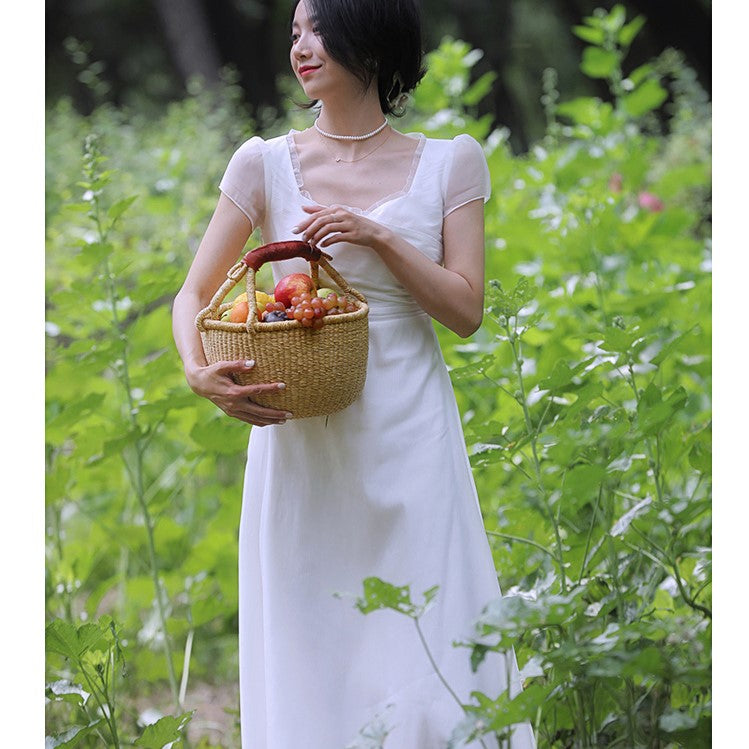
pixel 384 489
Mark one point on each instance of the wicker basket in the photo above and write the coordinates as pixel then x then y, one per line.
pixel 324 369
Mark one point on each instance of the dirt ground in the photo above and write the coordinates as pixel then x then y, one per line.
pixel 216 718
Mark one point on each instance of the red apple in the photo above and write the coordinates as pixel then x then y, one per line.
pixel 291 286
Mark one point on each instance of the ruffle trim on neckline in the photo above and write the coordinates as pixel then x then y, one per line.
pixel 405 190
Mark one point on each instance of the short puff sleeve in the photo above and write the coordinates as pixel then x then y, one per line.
pixel 244 180
pixel 468 177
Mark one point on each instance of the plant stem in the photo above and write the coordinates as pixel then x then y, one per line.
pixel 103 705
pixel 648 445
pixel 123 375
pixel 590 534
pixel 533 435
pixel 621 615
pixel 439 673
pixel 671 566
pixel 687 598
pixel 434 663
pixel 528 541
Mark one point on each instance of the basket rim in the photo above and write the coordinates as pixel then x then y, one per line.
pixel 210 323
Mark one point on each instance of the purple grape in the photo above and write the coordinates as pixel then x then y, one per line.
pixel 275 316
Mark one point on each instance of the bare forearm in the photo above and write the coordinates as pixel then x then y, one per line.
pixel 445 295
pixel 186 337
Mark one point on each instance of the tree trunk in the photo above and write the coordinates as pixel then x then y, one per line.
pixel 189 39
pixel 477 21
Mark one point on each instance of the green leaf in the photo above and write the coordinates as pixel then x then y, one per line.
pixel 599 63
pixel 218 435
pixel 584 396
pixel 94 253
pixel 60 426
pixel 581 483
pixel 589 34
pixel 470 371
pixel 673 345
pixel 65 639
pixel 589 111
pixel 562 375
pixel 639 74
pixel 701 452
pixel 497 715
pixel 66 691
pixel 648 96
pixel 163 731
pixel 614 21
pixel 618 340
pixel 117 445
pixel 479 89
pixel 654 413
pixel 117 209
pixel 70 737
pixel 501 303
pixel 629 31
pixel 621 525
pixel 675 720
pixel 379 594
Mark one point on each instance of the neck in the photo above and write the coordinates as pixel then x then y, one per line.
pixel 351 118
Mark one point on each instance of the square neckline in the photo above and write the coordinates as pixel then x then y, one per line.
pixel 416 159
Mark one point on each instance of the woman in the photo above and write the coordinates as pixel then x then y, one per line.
pixel 383 488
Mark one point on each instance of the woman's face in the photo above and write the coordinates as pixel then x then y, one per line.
pixel 318 74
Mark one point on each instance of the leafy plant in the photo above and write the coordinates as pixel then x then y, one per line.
pixel 585 399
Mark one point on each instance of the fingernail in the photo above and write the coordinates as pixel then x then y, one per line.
pixel 289 416
pixel 282 422
pixel 250 363
pixel 295 230
pixel 281 385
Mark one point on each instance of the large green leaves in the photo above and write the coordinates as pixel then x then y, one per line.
pixel 164 731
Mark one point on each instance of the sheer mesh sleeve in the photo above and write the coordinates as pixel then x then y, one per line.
pixel 244 180
pixel 468 177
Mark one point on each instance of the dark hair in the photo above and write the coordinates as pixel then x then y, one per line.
pixel 373 39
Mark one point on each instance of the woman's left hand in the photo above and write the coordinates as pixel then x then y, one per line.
pixel 329 224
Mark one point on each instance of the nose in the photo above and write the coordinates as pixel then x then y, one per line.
pixel 301 46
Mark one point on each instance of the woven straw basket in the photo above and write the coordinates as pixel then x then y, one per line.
pixel 324 369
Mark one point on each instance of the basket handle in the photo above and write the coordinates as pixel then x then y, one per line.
pixel 275 251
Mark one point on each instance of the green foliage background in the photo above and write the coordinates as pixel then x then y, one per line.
pixel 585 399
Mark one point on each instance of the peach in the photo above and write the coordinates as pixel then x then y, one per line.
pixel 293 285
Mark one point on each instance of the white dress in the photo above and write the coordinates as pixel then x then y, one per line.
pixel 384 489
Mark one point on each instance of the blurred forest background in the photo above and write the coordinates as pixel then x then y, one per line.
pixel 142 53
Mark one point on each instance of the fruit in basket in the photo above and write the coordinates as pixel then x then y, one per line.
pixel 338 304
pixel 274 316
pixel 239 312
pixel 295 284
pixel 322 293
pixel 261 298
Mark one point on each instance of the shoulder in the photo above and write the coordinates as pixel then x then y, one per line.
pixel 463 142
pixel 256 147
pixel 461 149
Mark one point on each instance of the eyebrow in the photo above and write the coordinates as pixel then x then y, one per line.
pixel 312 20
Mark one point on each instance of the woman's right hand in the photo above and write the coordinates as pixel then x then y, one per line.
pixel 213 381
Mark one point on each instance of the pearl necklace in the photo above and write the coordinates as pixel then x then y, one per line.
pixel 333 136
pixel 341 160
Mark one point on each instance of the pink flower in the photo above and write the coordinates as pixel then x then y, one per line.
pixel 615 183
pixel 650 202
